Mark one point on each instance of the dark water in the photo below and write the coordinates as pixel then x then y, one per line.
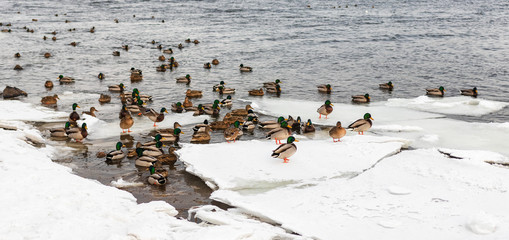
pixel 414 44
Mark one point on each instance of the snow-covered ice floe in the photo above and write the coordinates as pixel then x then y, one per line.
pixel 418 194
pixel 248 164
pixel 423 128
pixel 16 110
pixel 44 200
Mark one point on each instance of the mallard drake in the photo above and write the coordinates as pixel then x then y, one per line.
pixel 286 150
pixel 100 76
pixel 193 93
pixel 215 88
pixel 162 58
pixel 214 110
pixel 436 91
pixel 219 125
pixel 233 132
pixel 47 55
pixel 156 117
pixel 74 116
pixel 143 97
pixel 63 79
pixel 308 127
pixel 175 137
pixel 104 98
pixel 125 47
pixel 207 66
pixel 245 68
pixel 361 98
pixel 157 138
pixel 6 30
pixel 168 51
pixel 326 88
pixel 272 124
pixel 469 92
pixel 154 150
pixel 117 154
pixel 63 132
pixel 276 89
pixel 279 133
pixel 256 92
pixel 200 110
pixel 202 136
pixel 136 76
pixel 48 84
pixel 223 90
pixel 242 112
pixel 50 100
pixel 161 68
pixel 79 135
pixel 126 120
pixel 91 112
pixel 180 46
pixel 169 131
pixel 337 132
pixel 386 86
pixel 143 161
pixel 362 125
pixel 156 178
pixel 173 62
pixel 227 102
pixel 325 109
pixel 186 79
pixel 17 55
pixel 188 40
pixel 249 124
pixel 116 88
pixel 200 127
pixel 215 62
pixel 177 107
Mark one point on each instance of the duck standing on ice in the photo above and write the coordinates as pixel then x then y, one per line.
pixel 325 109
pixel 286 150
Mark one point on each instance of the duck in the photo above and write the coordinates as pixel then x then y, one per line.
pixel 78 136
pixel 63 132
pixel 230 118
pixel 116 53
pixel 296 125
pixel 136 76
pixel 200 127
pixel 50 100
pixel 337 132
pixel 156 117
pixel 161 68
pixel 63 79
pixel 214 110
pixel 74 44
pixel 173 63
pixel 219 125
pixel 116 88
pixel 17 55
pixel 156 178
pixel 186 79
pixel 215 88
pixel 153 150
pixel 134 70
pixel 104 98
pixel 272 124
pixel 162 58
pixel 193 93
pixel 177 107
pixel 227 102
pixel 326 88
pixel 279 133
pixel 325 109
pixel 271 84
pixel 125 47
pixel 168 132
pixel 48 84
pixel 242 112
pixel 207 65
pixel 91 112
pixel 180 46
pixel 436 91
pixel 187 103
pixel 202 136
pixel 143 97
pixel 233 132
pixel 215 61
pixel 276 89
pixel 256 92
pixel 117 154
pixel 469 92
pixel 157 138
pixel 18 67
pixel 386 86
pixel 249 124
pixel 361 98
pixel 286 150
pixel 100 76
pixel 200 110
pixel 142 160
pixel 126 120
pixel 168 159
pixel 47 55
pixel 74 116
pixel 362 125
pixel 196 41
pixel 188 40
pixel 223 90
pixel 168 51
pixel 308 127
pixel 245 68
pixel 175 137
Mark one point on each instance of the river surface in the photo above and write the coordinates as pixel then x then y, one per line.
pixel 353 46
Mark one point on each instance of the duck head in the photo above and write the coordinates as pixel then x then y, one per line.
pixel 119 146
pixel 74 106
pixel 163 110
pixel 328 103
pixel 368 116
pixel 291 139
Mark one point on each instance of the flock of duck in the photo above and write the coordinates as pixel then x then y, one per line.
pixel 151 154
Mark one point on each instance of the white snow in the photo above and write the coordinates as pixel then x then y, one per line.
pixel 420 194
pixel 121 183
pixel 461 105
pixel 248 164
pixel 17 110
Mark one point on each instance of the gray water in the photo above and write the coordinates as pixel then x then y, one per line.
pixel 414 44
